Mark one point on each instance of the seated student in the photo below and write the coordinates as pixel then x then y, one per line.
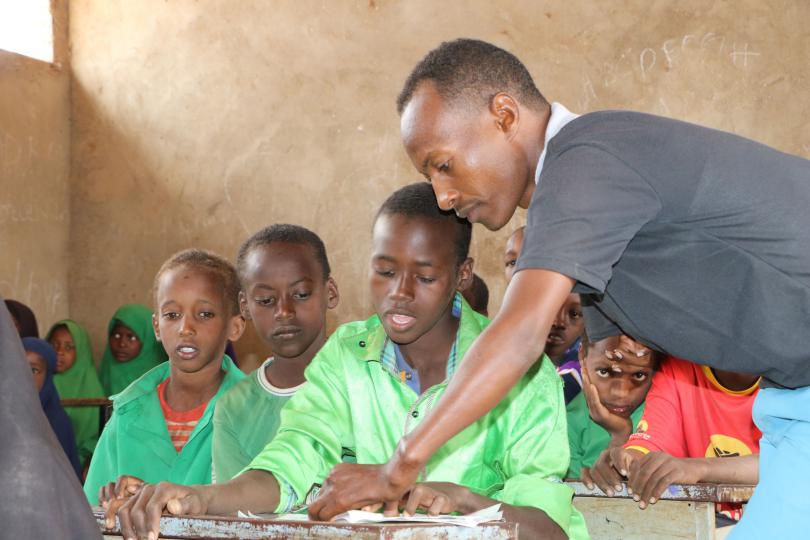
pixel 76 378
pixel 161 423
pixel 24 319
pixel 610 405
pixel 477 295
pixel 286 289
pixel 42 359
pixel 693 414
pixel 132 348
pixel 563 342
pixel 376 379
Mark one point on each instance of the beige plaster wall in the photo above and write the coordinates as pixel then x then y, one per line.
pixel 197 122
pixel 34 165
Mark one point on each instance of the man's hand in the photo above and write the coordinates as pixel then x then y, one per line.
pixel 140 514
pixel 651 475
pixel 351 486
pixel 113 495
pixel 609 469
pixel 436 498
pixel 619 428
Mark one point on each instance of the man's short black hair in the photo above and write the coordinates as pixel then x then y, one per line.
pixel 418 200
pixel 290 234
pixel 473 70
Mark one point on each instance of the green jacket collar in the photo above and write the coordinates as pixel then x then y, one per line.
pixel 368 342
pixel 146 384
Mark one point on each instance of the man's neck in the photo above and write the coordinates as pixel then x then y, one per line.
pixel 534 142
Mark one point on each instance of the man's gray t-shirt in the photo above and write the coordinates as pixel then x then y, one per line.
pixel 694 241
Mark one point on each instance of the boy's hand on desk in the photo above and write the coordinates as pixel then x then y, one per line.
pixel 609 470
pixel 620 428
pixel 436 498
pixel 653 473
pixel 140 514
pixel 112 496
pixel 351 486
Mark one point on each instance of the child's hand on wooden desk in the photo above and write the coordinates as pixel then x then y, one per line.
pixel 113 495
pixel 437 498
pixel 610 469
pixel 652 474
pixel 140 514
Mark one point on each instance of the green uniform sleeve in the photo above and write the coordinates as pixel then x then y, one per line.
pixel 228 455
pixel 104 466
pixel 536 456
pixel 315 426
pixel 574 413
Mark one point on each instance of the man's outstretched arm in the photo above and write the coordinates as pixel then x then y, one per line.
pixel 492 366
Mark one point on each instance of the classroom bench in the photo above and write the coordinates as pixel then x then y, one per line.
pixel 683 512
pixel 204 528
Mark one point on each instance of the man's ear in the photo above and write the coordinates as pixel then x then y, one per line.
pixel 465 274
pixel 236 327
pixel 243 308
pixel 155 326
pixel 332 294
pixel 506 113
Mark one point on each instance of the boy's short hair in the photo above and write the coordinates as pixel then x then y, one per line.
pixel 472 70
pixel 210 263
pixel 284 232
pixel 417 200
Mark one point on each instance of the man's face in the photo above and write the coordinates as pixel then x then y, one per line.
pixel 472 162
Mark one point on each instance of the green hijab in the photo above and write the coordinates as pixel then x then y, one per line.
pixel 80 381
pixel 115 375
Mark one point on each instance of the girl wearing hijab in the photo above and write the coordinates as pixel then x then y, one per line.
pixel 42 359
pixel 132 348
pixel 24 319
pixel 76 378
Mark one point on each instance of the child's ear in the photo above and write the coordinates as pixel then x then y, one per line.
pixel 155 326
pixel 236 327
pixel 243 307
pixel 465 274
pixel 332 294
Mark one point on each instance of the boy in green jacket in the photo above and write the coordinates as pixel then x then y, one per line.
pixel 611 403
pixel 375 380
pixel 161 423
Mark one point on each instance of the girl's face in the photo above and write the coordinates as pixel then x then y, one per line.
pixel 65 348
pixel 124 343
pixel 193 320
pixel 39 368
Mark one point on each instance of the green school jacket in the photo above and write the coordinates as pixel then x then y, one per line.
pixel 136 440
pixel 587 438
pixel 355 403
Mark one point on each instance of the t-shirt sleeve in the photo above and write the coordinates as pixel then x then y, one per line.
pixel 598 325
pixel 587 208
pixel 661 425
pixel 228 456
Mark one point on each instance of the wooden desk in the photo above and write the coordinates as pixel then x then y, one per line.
pixel 684 512
pixel 204 528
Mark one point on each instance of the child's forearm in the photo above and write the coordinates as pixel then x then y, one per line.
pixel 255 491
pixel 534 523
pixel 729 470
